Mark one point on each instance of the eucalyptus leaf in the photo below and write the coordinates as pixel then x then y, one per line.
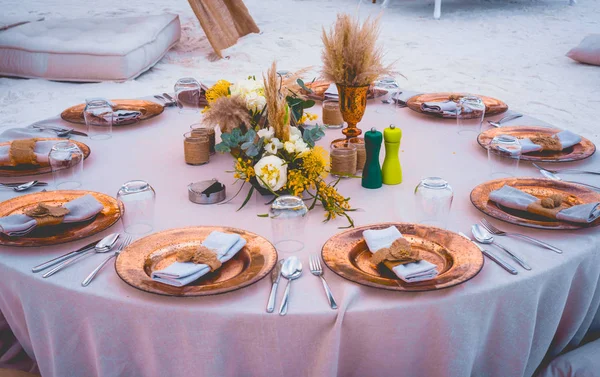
pixel 222 148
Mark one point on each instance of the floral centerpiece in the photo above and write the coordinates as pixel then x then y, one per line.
pixel 257 121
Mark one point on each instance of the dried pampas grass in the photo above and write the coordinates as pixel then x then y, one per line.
pixel 276 105
pixel 228 113
pixel 351 55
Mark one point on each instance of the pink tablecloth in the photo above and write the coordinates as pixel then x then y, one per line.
pixel 494 325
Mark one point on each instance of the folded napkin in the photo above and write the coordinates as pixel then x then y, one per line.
pixel 446 108
pixel 178 274
pixel 565 138
pixel 402 97
pixel 80 209
pixel 41 150
pixel 25 133
pixel 516 199
pixel 409 272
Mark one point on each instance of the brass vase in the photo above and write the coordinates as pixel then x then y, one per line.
pixel 353 102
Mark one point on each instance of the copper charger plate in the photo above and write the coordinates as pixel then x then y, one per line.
pixel 540 188
pixel 457 258
pixel 57 234
pixel 23 170
pixel 149 109
pixel 492 106
pixel 577 152
pixel 320 87
pixel 137 261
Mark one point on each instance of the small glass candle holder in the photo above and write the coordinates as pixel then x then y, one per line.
pixel 361 152
pixel 288 219
pixel 504 153
pixel 201 129
pixel 136 201
pixel 66 160
pixel 343 159
pixel 470 111
pixel 196 148
pixel 332 117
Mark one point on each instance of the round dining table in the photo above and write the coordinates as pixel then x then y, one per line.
pixel 495 324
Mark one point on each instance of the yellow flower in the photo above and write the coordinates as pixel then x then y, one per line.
pixel 220 89
pixel 296 182
pixel 306 117
pixel 315 163
pixel 243 170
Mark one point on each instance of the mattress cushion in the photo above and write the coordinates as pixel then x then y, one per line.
pixel 92 49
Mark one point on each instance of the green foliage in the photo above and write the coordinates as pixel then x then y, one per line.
pixel 312 135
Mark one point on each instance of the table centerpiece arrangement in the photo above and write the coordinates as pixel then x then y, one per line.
pixel 270 154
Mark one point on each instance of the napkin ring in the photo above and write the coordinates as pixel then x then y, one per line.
pixel 46 215
pixel 21 152
pixel 548 143
pixel 399 251
pixel 201 255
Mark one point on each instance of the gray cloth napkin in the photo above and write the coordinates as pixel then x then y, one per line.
pixel 446 108
pixel 566 138
pixel 516 199
pixel 42 149
pixel 178 274
pixel 377 239
pixel 80 209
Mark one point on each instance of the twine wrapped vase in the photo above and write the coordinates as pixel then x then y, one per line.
pixel 353 102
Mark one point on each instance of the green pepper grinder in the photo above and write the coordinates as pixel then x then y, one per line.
pixel 391 170
pixel 371 176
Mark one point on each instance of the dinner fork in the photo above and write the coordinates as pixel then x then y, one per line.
pixel 567 170
pixel 315 268
pixel 497 232
pixel 126 241
pixel 503 120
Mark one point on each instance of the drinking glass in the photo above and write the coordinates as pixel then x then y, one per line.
pixel 388 84
pixel 66 161
pixel 332 116
pixel 504 153
pixel 136 202
pixel 187 95
pixel 288 219
pixel 470 111
pixel 202 129
pixel 343 157
pixel 98 115
pixel 434 199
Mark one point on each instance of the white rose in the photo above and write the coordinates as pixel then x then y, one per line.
pixel 300 146
pixel 267 133
pixel 295 134
pixel 271 172
pixel 271 148
pixel 289 147
pixel 277 143
pixel 255 101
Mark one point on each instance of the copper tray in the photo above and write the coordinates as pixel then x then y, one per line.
pixel 149 109
pixel 577 152
pixel 492 106
pixel 457 258
pixel 537 187
pixel 23 170
pixel 320 87
pixel 54 235
pixel 137 262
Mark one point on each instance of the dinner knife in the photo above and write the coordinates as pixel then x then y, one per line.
pixel 75 132
pixel 491 256
pixel 275 277
pixel 13 184
pixel 64 257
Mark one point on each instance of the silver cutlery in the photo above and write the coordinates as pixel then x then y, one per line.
pixel 291 270
pixel 126 241
pixel 483 236
pixel 167 103
pixel 14 184
pixel 275 277
pixel 167 96
pixel 60 132
pixel 315 268
pixel 497 232
pixel 104 246
pixel 64 257
pixel 499 261
pixel 555 177
pixel 504 120
pixel 22 186
pixel 567 170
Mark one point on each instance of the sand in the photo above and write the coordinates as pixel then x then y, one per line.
pixel 513 50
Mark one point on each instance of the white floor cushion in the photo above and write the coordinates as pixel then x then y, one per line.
pixel 588 50
pixel 581 362
pixel 94 49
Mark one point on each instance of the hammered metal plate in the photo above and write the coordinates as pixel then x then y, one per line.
pixel 492 106
pixel 540 188
pixel 457 259
pixel 54 235
pixel 137 261
pixel 23 170
pixel 148 109
pixel 577 152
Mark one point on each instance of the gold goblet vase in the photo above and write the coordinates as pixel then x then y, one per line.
pixel 353 102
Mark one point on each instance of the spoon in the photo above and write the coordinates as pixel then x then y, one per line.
pixel 555 177
pixel 291 270
pixel 105 245
pixel 503 120
pixel 23 186
pixel 483 236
